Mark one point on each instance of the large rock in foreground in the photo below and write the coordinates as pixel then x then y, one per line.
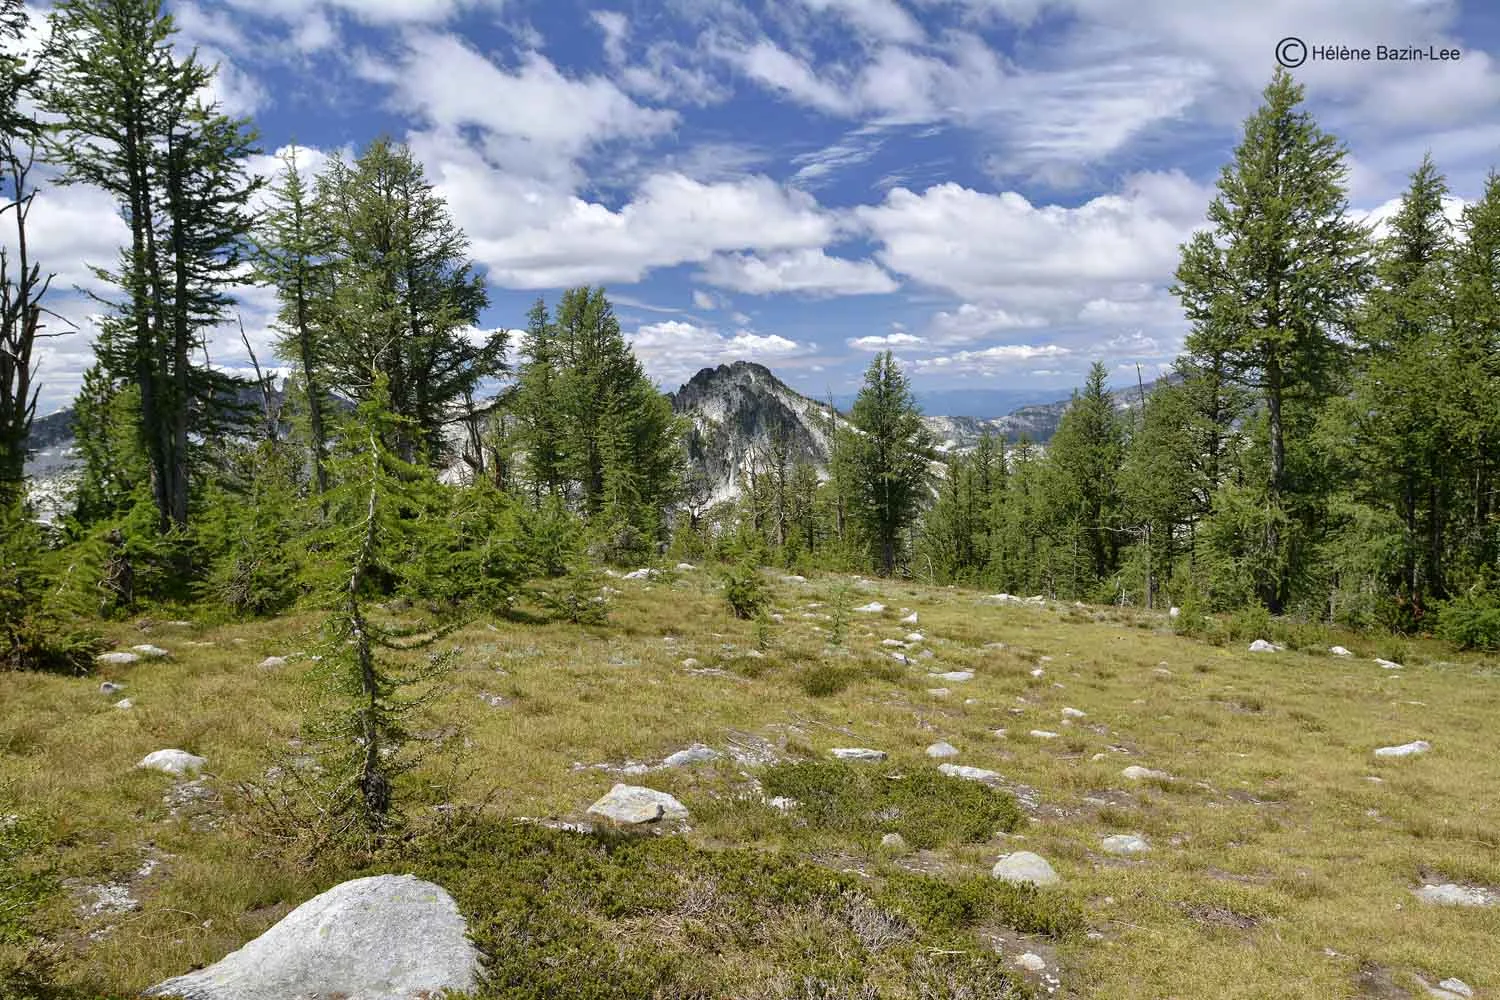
pixel 389 937
pixel 632 805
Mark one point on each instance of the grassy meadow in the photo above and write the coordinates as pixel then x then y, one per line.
pixel 1283 857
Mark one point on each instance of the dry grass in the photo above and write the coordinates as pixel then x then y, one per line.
pixel 1278 869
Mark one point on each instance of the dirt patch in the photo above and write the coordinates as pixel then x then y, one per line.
pixel 1219 916
pixel 1377 983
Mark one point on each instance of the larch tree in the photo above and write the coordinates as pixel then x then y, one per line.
pixel 891 449
pixel 1271 287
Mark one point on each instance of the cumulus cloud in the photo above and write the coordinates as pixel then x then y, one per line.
pixel 886 341
pixel 809 270
pixel 672 351
pixel 999 360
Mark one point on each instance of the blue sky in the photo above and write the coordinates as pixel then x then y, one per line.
pixel 995 189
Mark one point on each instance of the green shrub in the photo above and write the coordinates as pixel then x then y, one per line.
pixel 823 679
pixel 744 590
pixel 1471 621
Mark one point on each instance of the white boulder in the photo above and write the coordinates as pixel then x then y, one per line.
pixel 858 753
pixel 1025 868
pixel 117 659
pixel 632 805
pixel 386 937
pixel 969 773
pixel 1339 651
pixel 695 754
pixel 1388 664
pixel 1405 749
pixel 150 652
pixel 1125 844
pixel 942 749
pixel 1137 773
pixel 910 619
pixel 874 607
pixel 1262 646
pixel 1073 713
pixel 272 663
pixel 178 762
pixel 954 675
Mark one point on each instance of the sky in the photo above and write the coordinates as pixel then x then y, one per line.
pixel 995 190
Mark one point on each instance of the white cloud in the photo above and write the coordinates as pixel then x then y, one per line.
pixel 888 340
pixel 808 270
pixel 704 300
pixel 674 350
pixel 1000 360
pixel 380 12
pixel 883 19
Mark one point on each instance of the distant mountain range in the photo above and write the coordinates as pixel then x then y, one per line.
pixel 735 410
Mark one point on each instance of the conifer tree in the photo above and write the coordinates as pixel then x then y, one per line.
pixel 889 459
pixel 537 406
pixel 1271 286
pixel 1084 457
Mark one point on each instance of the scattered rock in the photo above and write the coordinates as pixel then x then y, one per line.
pixel 117 659
pixel 1038 672
pixel 910 619
pixel 1449 894
pixel 858 753
pixel 1043 734
pixel 1405 749
pixel 1388 664
pixel 1125 844
pixel 1174 612
pixel 969 773
pixel 939 692
pixel 112 897
pixel 690 662
pixel 1025 868
pixel 493 700
pixel 893 842
pixel 387 937
pixel 1006 598
pixel 874 607
pixel 1073 713
pixel 942 749
pixel 685 567
pixel 1031 962
pixel 110 687
pixel 150 652
pixel 954 675
pixel 1451 989
pixel 1339 651
pixel 273 662
pixel 695 754
pixel 782 803
pixel 1262 646
pixel 1137 773
pixel 897 643
pixel 915 637
pixel 178 762
pixel 794 579
pixel 124 703
pixel 640 574
pixel 632 805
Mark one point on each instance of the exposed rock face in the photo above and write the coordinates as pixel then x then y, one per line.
pixel 388 937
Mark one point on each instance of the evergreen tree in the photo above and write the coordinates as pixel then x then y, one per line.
pixel 1084 458
pixel 131 120
pixel 403 296
pixel 1162 483
pixel 889 459
pixel 291 256
pixel 536 405
pixel 1271 285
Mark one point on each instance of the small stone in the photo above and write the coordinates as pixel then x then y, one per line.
pixel 910 619
pixel 901 658
pixel 1031 962
pixel 874 607
pixel 1405 749
pixel 493 700
pixel 178 762
pixel 151 652
pixel 893 842
pixel 897 643
pixel 124 703
pixel 1137 773
pixel 1457 986
pixel 1043 734
pixel 1262 646
pixel 690 662
pixel 632 805
pixel 640 574
pixel 273 662
pixel 1388 664
pixel 969 773
pixel 1038 672
pixel 1173 612
pixel 695 754
pixel 939 692
pixel 1073 713
pixel 942 749
pixel 1125 844
pixel 685 567
pixel 118 659
pixel 110 687
pixel 858 753
pixel 1024 868
pixel 794 579
pixel 954 675
pixel 1339 651
pixel 1449 894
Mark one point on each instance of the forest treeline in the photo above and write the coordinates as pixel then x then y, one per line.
pixel 1331 449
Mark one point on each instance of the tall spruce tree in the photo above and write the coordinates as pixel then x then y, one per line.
pixel 1084 458
pixel 889 458
pixel 1270 288
pixel 536 405
pixel 132 119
